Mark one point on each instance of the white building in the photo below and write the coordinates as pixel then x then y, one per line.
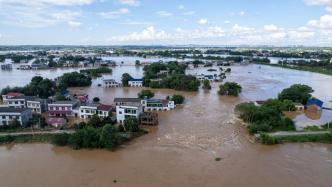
pixel 135 82
pixel 107 83
pixel 158 104
pixel 87 111
pixel 7 115
pixel 128 107
pixel 14 100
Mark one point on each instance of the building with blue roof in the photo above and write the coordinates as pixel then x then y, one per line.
pixel 314 104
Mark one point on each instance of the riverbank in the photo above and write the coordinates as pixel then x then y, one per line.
pixel 284 137
pixel 320 70
pixel 54 137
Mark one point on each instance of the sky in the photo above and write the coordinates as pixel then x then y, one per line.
pixel 166 22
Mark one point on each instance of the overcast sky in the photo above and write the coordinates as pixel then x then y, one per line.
pixel 210 22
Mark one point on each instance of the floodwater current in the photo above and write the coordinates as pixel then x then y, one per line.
pixel 181 151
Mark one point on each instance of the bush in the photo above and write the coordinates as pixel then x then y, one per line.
pixel 109 138
pixel 230 88
pixel 60 139
pixel 145 94
pixel 96 99
pixel 178 99
pixel 268 140
pixel 206 84
pixel 131 124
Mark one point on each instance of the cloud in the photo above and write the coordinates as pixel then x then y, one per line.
pixel 181 7
pixel 164 13
pixel 227 21
pixel 318 2
pixel 114 14
pixel 34 3
pixel 203 21
pixel 148 34
pixel 271 28
pixel 188 13
pixel 242 13
pixel 324 22
pixel 38 13
pixel 74 23
pixel 130 2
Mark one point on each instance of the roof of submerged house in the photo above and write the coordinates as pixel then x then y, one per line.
pixel 136 80
pixel 104 107
pixel 55 120
pixel 12 110
pixel 315 102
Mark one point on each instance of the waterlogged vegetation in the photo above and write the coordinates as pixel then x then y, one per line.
pixel 230 88
pixel 171 75
pixel 265 118
pixel 96 72
pixel 178 99
pixel 97 133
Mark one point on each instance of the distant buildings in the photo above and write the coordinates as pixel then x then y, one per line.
pixel 6 66
pixel 135 82
pixel 7 115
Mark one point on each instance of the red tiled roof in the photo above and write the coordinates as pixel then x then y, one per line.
pixel 14 94
pixel 104 107
pixel 55 120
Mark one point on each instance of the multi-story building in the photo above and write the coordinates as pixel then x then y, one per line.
pixel 17 100
pixel 7 114
pixel 36 104
pixel 158 104
pixel 135 82
pixel 87 111
pixel 62 108
pixel 110 83
pixel 128 107
pixel 14 100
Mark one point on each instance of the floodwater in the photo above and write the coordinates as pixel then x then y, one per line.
pixel 181 151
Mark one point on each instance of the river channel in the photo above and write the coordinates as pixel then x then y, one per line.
pixel 181 151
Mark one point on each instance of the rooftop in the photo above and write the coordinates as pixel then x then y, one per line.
pixel 63 102
pixel 136 80
pixel 127 100
pixel 12 110
pixel 104 107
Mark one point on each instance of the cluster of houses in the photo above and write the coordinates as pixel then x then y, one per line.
pixel 20 107
pixel 313 105
pixel 108 83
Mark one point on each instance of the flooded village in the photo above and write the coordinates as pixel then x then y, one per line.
pixel 198 142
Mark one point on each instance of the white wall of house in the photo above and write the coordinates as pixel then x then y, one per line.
pixel 122 112
pixel 135 83
pixel 86 112
pixel 15 103
pixel 35 106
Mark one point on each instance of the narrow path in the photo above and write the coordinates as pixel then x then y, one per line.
pixel 37 132
pixel 297 133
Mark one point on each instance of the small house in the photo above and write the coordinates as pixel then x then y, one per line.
pixel 299 107
pixel 314 105
pixel 56 122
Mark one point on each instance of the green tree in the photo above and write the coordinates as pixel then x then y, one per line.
pixel 145 94
pixel 131 124
pixel 95 121
pixel 230 88
pixel 297 93
pixel 74 79
pixel 178 99
pixel 206 85
pixel 109 137
pixel 59 97
pixel 96 99
pixel 125 78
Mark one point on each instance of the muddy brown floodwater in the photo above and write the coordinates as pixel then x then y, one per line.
pixel 181 151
